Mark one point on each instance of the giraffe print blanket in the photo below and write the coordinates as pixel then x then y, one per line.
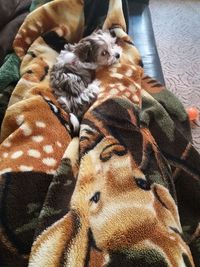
pixel 125 192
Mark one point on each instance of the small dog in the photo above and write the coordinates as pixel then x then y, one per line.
pixel 72 76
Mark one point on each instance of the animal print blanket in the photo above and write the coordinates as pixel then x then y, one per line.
pixel 126 191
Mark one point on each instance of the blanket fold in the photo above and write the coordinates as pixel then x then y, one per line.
pixel 125 192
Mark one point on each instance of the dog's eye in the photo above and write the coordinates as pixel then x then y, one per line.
pixel 104 53
pixel 96 197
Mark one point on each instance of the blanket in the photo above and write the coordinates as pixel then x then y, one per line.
pixel 12 15
pixel 125 191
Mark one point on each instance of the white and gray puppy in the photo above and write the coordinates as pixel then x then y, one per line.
pixel 72 76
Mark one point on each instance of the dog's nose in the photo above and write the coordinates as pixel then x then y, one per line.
pixel 117 55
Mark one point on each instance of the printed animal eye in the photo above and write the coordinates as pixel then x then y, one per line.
pixel 143 184
pixel 104 53
pixel 96 197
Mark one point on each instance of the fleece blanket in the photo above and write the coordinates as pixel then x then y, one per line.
pixel 125 191
pixel 12 14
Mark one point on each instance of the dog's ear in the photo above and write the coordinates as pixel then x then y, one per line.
pixel 69 47
pixel 83 51
pixel 98 30
pixel 99 27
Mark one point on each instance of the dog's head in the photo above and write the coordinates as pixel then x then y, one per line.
pixel 99 48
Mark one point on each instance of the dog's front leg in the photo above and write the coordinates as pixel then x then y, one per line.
pixel 90 93
pixel 88 96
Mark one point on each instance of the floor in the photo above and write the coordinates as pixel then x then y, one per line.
pixel 176 26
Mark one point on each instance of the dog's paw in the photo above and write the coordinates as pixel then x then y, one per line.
pixel 94 88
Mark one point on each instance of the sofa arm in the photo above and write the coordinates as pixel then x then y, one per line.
pixel 141 31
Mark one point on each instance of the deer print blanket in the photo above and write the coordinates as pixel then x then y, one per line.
pixel 126 191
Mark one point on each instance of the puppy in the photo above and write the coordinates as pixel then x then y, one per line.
pixel 72 76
